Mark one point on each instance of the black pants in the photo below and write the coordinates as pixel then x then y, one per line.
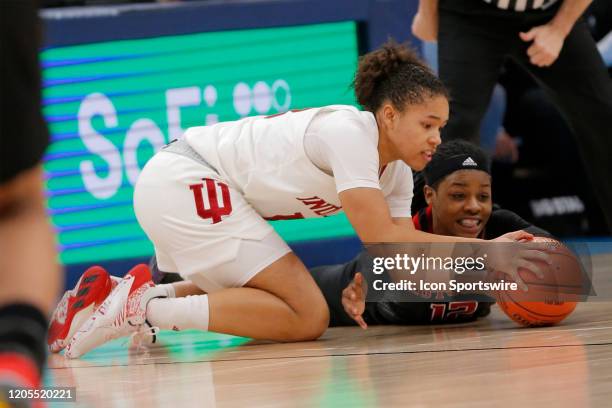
pixel 473 41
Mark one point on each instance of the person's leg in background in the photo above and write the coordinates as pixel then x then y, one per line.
pixel 492 122
pixel 581 87
pixel 29 271
pixel 471 51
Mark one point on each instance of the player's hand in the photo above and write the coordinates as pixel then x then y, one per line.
pixel 425 26
pixel 509 260
pixel 515 236
pixel 547 42
pixel 353 299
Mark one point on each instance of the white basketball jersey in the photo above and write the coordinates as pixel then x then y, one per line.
pixel 263 157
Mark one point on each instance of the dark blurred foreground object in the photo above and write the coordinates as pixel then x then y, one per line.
pixel 29 273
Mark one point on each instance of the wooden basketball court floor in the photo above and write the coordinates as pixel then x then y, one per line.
pixel 491 362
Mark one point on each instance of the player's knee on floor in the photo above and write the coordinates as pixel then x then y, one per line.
pixel 310 323
pixel 320 320
pixel 310 328
pixel 316 313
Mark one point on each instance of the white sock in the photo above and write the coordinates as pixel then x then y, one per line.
pixel 168 288
pixel 190 312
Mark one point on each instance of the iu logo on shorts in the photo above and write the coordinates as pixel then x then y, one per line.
pixel 216 210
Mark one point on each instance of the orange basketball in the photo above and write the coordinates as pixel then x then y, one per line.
pixel 534 314
pixel 550 299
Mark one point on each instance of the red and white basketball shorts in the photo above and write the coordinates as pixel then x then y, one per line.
pixel 201 227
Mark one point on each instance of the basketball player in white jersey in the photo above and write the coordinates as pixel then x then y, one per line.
pixel 204 201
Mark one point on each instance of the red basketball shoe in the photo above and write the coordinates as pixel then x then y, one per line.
pixel 77 305
pixel 123 313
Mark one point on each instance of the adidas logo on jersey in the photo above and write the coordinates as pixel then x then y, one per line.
pixel 469 162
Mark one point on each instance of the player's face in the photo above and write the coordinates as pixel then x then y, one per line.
pixel 414 133
pixel 462 204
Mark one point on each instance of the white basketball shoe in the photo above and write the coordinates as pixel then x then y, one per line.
pixel 123 313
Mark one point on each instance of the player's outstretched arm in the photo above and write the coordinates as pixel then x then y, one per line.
pixel 369 215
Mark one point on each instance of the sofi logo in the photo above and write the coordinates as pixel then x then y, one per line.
pixel 259 99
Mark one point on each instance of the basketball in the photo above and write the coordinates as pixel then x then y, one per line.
pixel 550 299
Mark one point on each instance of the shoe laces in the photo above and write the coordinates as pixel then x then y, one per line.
pixel 144 336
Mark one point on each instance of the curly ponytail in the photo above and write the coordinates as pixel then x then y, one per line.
pixel 394 72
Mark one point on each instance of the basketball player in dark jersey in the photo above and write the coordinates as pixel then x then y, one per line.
pixel 457 192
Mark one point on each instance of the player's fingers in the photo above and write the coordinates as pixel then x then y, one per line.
pixel 535 255
pixel 519 281
pixel 349 306
pixel 536 246
pixel 359 287
pixel 354 307
pixel 519 235
pixel 351 302
pixel 360 322
pixel 352 310
pixel 523 263
pixel 358 279
pixel 352 294
pixel 347 293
